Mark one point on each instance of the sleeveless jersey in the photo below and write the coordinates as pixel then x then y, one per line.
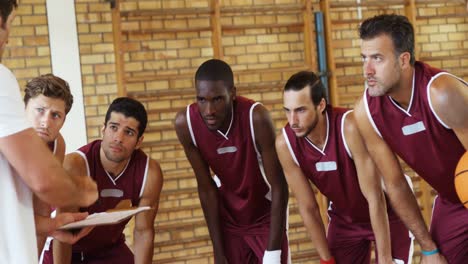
pixel 128 185
pixel 233 157
pixel 331 169
pixel 417 134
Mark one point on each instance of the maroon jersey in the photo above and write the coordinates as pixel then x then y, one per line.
pixel 128 185
pixel 331 169
pixel 417 134
pixel 233 157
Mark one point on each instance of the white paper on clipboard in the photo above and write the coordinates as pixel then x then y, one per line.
pixel 105 218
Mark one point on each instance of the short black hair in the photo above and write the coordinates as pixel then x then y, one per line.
pixel 6 7
pixel 302 79
pixel 395 26
pixel 130 108
pixel 215 70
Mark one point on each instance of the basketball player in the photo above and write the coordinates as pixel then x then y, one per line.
pixel 245 201
pixel 321 144
pixel 420 113
pixel 122 172
pixel 26 166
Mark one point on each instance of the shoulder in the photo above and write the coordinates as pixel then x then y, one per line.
pixel 446 87
pixel 260 114
pixel 181 119
pixel 280 141
pixel 349 123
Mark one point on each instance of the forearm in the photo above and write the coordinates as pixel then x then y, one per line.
pixel 405 205
pixel 210 205
pixel 316 230
pixel 144 246
pixel 380 226
pixel 62 252
pixel 279 204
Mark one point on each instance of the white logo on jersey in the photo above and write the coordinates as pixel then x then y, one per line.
pixel 413 128
pixel 111 193
pixel 325 166
pixel 226 150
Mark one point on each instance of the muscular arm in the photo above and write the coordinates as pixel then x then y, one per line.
pixel 43 173
pixel 207 190
pixel 371 188
pixel 265 140
pixel 305 197
pixel 144 222
pixel 400 195
pixel 449 97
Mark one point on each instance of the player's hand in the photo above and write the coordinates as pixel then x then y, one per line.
pixel 67 236
pixel 89 190
pixel 433 259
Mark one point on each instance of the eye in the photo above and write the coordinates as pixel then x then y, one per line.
pixel 56 116
pixel 130 133
pixel 113 127
pixel 218 99
pixel 40 110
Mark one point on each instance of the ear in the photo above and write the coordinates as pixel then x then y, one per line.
pixel 139 142
pixel 102 130
pixel 322 105
pixel 233 93
pixel 405 59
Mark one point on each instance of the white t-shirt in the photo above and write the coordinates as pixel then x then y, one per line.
pixel 17 230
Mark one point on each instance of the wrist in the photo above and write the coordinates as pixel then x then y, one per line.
pixel 273 256
pixel 429 252
pixel 328 261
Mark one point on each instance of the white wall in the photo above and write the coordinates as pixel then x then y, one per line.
pixel 65 57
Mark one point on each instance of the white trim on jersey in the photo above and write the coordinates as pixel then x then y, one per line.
pixel 55 146
pixel 286 139
pixel 121 173
pixel 326 139
pixel 259 156
pixel 407 111
pixel 86 161
pixel 230 124
pixel 429 95
pixel 189 124
pixel 145 176
pixel 366 105
pixel 343 135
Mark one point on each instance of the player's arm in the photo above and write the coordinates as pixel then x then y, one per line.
pixel 371 188
pixel 41 209
pixel 43 173
pixel 76 167
pixel 398 191
pixel 144 221
pixel 265 141
pixel 449 97
pixel 308 206
pixel 207 190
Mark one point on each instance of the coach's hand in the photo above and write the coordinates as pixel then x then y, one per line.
pixel 67 236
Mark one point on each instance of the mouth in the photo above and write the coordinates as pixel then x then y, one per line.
pixel 115 148
pixel 371 82
pixel 42 133
pixel 211 121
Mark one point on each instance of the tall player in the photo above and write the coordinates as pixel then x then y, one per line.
pixel 420 113
pixel 26 166
pixel 122 172
pixel 245 201
pixel 321 144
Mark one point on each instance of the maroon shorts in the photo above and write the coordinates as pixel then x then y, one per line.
pixel 118 254
pixel 249 249
pixel 351 243
pixel 449 229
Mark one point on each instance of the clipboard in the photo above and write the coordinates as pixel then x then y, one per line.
pixel 120 213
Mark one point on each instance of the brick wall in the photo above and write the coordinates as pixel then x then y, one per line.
pixel 162 50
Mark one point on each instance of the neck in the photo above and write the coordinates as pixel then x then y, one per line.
pixel 402 91
pixel 318 135
pixel 113 168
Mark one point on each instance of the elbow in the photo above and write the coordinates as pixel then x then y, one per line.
pixel 43 189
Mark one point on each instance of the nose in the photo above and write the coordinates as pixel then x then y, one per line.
pixel 292 118
pixel 118 136
pixel 368 68
pixel 45 121
pixel 209 108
